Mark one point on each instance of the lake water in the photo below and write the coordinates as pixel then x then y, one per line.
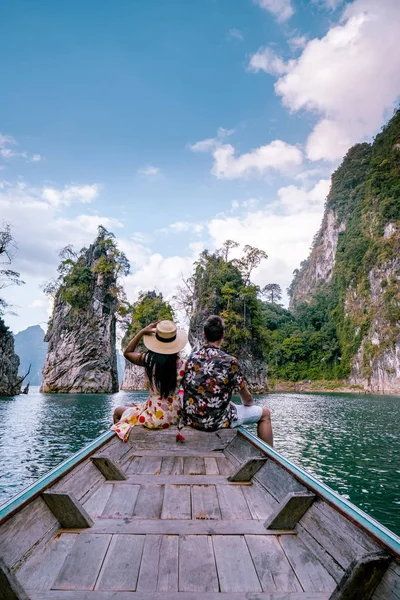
pixel 350 442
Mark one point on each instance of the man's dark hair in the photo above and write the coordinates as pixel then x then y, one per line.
pixel 214 328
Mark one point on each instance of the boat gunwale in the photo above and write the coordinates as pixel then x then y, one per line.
pixel 354 514
pixel 30 493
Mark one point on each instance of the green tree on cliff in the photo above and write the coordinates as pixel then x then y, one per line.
pixel 7 275
pixel 149 307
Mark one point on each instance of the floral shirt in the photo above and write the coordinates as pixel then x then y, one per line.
pixel 211 376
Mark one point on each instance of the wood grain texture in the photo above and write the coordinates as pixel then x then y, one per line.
pixel 290 510
pixel 211 466
pixel 164 439
pixel 225 467
pixel 148 574
pixel 180 479
pixel 197 570
pixel 108 467
pixel 81 481
pixel 149 502
pixel 121 502
pixel 97 595
pixel 42 568
pixel 176 504
pixel 82 565
pixel 309 571
pixel 120 568
pixel 178 465
pixel 194 466
pixel 273 568
pixel 277 481
pixel 149 465
pixel 179 450
pixel 97 501
pixel 232 502
pixel 24 530
pixel 235 567
pixel 314 545
pixel 362 577
pixel 67 510
pixel 389 587
pixel 10 587
pixel 182 527
pixel 205 503
pixel 167 580
pixel 247 470
pixel 261 504
pixel 167 465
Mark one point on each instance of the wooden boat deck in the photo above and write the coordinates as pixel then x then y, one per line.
pixel 177 528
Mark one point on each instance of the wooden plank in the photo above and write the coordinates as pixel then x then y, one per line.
pixel 389 588
pixel 178 466
pixel 241 449
pixel 309 571
pixel 225 467
pixel 197 570
pixel 211 466
pixel 277 481
pixel 167 580
pixel 10 587
pixel 121 565
pixel 24 530
pixel 362 577
pixel 247 470
pixel 82 565
pixel 165 439
pixel 121 502
pixel 167 465
pixel 290 510
pixel 149 465
pixel 272 566
pixel 194 466
pixel 97 501
pixel 320 552
pixel 149 502
pixel 98 595
pixel 235 567
pixel 182 527
pixel 81 481
pixel 67 510
pixel 205 503
pixel 108 468
pixel 260 502
pixel 176 504
pixel 232 502
pixel 132 466
pixel 148 574
pixel 42 568
pixel 180 450
pixel 178 480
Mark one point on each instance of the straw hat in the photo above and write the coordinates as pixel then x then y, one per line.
pixel 167 339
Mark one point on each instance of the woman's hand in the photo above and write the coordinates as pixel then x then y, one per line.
pixel 150 328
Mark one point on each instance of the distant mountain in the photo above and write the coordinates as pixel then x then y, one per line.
pixel 31 348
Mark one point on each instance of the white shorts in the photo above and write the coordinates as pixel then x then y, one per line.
pixel 247 415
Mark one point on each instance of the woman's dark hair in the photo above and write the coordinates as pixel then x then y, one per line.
pixel 214 328
pixel 161 372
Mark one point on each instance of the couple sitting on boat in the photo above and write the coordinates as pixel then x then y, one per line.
pixel 208 378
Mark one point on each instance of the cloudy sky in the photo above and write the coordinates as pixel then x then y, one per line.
pixel 178 124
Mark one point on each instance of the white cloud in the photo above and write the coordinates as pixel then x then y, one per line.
pixel 235 34
pixel 71 193
pixel 276 155
pixel 183 226
pixel 350 77
pixel 149 171
pixel 267 60
pixel 298 42
pixel 7 151
pixel 281 9
pixel 35 158
pixel 294 199
pixel 209 144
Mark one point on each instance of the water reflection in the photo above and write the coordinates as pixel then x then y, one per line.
pixel 350 442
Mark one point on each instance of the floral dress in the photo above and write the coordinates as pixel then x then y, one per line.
pixel 156 412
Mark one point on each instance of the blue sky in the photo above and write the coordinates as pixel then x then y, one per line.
pixel 178 124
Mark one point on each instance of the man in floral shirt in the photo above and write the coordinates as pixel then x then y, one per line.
pixel 210 378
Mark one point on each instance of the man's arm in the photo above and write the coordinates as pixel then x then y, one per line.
pixel 129 352
pixel 245 396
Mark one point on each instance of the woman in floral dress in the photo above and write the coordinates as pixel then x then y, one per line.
pixel 164 369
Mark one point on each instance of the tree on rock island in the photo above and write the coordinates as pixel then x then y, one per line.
pixel 81 355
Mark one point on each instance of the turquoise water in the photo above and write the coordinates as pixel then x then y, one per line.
pixel 350 442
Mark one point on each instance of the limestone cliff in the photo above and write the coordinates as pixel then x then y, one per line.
pixel 81 337
pixel 355 262
pixel 10 382
pixel 134 378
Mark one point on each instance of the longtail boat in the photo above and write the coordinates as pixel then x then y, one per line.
pixel 220 516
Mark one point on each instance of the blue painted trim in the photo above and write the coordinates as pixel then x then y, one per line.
pixel 370 525
pixel 35 489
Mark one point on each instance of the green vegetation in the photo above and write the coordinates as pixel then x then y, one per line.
pixel 149 307
pixel 7 275
pixel 102 263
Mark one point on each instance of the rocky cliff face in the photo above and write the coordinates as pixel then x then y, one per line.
pixel 10 382
pixel 355 260
pixel 134 378
pixel 81 337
